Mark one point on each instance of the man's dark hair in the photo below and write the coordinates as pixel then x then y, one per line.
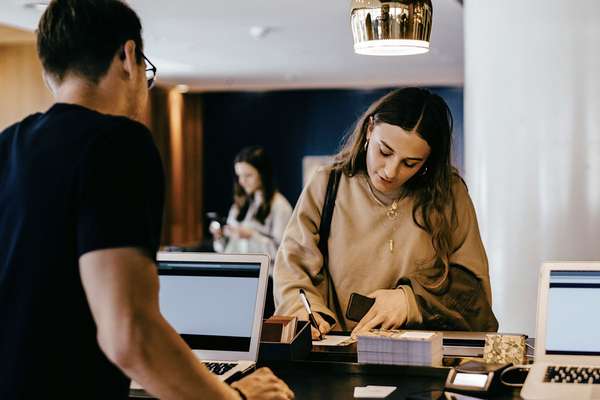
pixel 83 36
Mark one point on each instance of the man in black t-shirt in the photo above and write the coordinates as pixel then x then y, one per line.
pixel 81 197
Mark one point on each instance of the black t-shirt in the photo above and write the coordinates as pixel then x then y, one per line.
pixel 71 181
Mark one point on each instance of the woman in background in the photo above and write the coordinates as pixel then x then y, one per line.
pixel 259 214
pixel 403 229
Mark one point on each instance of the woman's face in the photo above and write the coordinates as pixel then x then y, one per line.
pixel 248 177
pixel 394 156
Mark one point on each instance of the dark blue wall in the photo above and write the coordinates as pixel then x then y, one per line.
pixel 290 125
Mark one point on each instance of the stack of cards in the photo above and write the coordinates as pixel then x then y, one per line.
pixel 400 348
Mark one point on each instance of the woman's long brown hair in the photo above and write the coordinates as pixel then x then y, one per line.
pixel 257 157
pixel 428 115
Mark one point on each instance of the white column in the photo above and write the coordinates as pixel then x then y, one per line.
pixel 532 140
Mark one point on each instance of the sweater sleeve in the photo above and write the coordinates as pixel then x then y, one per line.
pixel 468 248
pixel 299 260
pixel 281 212
pixel 460 297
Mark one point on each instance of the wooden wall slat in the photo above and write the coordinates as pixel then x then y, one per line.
pixel 22 88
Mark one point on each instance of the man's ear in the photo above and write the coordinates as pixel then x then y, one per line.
pixel 128 57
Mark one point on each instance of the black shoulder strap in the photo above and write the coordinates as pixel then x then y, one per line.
pixel 327 212
pixel 324 230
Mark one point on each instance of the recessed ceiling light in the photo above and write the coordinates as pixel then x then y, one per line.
pixel 259 32
pixel 36 5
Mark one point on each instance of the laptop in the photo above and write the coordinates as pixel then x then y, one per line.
pixel 567 346
pixel 215 302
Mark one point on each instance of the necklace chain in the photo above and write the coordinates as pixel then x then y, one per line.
pixel 392 212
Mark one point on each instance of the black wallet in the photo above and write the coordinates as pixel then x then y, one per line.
pixel 358 306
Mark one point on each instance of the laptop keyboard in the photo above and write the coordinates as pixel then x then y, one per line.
pixel 561 374
pixel 219 368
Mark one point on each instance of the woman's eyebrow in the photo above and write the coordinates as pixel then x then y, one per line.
pixel 406 158
pixel 386 145
pixel 414 158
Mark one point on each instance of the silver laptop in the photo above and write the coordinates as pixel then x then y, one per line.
pixel 567 345
pixel 215 302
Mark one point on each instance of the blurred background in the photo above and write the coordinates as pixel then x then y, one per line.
pixel 521 79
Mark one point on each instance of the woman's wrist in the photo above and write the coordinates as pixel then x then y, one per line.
pixel 330 320
pixel 407 303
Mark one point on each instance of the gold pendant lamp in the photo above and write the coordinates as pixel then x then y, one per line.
pixel 391 28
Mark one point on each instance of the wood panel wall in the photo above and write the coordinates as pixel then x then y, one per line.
pixel 22 88
pixel 175 120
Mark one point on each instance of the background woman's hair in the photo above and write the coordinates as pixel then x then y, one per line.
pixel 257 157
pixel 431 187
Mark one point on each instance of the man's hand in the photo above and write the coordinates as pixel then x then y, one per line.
pixel 389 311
pixel 263 385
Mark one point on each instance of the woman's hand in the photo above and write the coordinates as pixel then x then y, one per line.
pixel 389 311
pixel 245 233
pixel 324 326
pixel 238 231
pixel 216 230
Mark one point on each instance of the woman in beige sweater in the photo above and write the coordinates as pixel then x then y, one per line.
pixel 403 229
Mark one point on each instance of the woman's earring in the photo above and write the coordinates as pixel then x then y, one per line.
pixel 424 172
pixel 366 144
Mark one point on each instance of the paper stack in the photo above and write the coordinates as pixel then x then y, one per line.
pixel 395 347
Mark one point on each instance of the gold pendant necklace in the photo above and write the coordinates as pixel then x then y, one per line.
pixel 392 211
pixel 392 214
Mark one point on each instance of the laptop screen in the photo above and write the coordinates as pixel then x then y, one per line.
pixel 210 304
pixel 573 302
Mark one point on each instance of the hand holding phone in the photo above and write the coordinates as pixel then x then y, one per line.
pixel 216 224
pixel 389 311
pixel 216 230
pixel 358 306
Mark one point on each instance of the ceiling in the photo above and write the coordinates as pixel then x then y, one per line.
pixel 208 46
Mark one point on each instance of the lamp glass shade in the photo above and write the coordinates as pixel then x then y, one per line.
pixel 389 28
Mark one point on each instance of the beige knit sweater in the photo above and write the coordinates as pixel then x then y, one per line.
pixel 360 259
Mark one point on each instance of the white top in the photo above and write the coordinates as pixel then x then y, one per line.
pixel 266 237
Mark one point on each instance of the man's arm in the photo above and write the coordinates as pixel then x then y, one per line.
pixel 121 286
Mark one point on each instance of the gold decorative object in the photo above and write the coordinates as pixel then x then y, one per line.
pixel 504 349
pixel 391 28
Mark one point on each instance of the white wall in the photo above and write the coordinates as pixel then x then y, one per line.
pixel 532 138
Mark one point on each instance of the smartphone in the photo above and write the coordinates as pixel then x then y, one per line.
pixel 215 217
pixel 358 306
pixel 216 223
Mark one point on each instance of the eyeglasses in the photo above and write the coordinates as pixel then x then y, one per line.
pixel 150 72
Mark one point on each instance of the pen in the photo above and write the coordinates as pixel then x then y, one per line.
pixel 306 304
